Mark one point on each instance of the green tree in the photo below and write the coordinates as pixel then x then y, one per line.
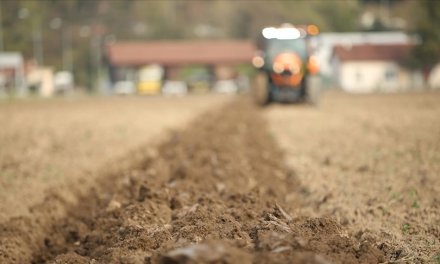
pixel 427 54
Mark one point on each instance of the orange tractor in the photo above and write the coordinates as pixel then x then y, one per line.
pixel 287 71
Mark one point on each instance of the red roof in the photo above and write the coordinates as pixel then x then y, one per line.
pixel 181 52
pixel 371 52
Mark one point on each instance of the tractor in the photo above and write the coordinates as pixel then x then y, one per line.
pixel 287 70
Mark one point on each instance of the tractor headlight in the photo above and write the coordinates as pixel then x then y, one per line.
pixel 258 62
pixel 278 67
pixel 313 65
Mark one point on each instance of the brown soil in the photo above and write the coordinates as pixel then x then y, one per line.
pixel 216 192
pixel 355 181
pixel 50 144
pixel 372 163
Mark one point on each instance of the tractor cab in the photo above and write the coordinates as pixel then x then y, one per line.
pixel 286 67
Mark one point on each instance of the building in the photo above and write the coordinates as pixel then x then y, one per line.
pixel 324 44
pixel 368 68
pixel 126 58
pixel 12 76
pixel 433 81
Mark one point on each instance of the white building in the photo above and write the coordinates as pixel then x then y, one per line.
pixel 434 77
pixel 324 44
pixel 12 73
pixel 368 68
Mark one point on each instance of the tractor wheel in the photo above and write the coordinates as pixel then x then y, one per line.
pixel 260 89
pixel 313 92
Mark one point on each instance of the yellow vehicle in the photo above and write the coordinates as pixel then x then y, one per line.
pixel 150 80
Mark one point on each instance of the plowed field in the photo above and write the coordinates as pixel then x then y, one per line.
pixel 371 162
pixel 353 181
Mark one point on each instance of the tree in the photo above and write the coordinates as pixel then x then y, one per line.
pixel 427 54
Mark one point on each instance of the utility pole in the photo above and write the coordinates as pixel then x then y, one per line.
pixel 2 89
pixel 38 37
pixel 38 47
pixel 98 57
pixel 1 29
pixel 385 11
pixel 95 61
pixel 67 50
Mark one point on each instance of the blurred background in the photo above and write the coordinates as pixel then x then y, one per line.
pixel 177 47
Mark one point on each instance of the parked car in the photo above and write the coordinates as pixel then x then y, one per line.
pixel 124 88
pixel 200 82
pixel 176 88
pixel 226 87
pixel 63 81
pixel 150 79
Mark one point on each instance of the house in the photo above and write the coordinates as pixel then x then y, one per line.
pixel 40 79
pixel 433 81
pixel 374 67
pixel 324 44
pixel 12 77
pixel 126 58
